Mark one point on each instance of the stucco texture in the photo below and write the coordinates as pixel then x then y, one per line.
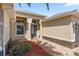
pixel 58 28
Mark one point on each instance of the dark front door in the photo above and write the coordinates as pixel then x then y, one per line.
pixel 77 36
pixel 33 31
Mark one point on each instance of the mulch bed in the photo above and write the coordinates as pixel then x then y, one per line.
pixel 36 50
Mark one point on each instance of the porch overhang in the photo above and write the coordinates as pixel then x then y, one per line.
pixel 28 13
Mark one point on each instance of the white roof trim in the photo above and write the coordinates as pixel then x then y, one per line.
pixel 59 15
pixel 28 12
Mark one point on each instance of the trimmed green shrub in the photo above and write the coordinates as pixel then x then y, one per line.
pixel 18 48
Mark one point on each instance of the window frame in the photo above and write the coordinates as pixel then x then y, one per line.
pixel 17 22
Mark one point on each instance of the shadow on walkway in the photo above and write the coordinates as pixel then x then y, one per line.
pixel 49 48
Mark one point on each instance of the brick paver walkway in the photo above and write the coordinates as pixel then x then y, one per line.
pixel 56 49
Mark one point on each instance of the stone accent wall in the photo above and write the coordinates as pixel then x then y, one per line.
pixel 61 42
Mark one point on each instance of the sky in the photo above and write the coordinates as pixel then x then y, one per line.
pixel 40 8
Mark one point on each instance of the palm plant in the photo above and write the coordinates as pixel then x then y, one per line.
pixel 29 4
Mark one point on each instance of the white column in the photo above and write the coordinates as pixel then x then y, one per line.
pixel 40 22
pixel 13 29
pixel 7 15
pixel 38 30
pixel 13 25
pixel 28 32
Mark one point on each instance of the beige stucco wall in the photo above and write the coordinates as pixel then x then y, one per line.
pixel 27 16
pixel 26 29
pixel 59 29
pixel 8 15
pixel 6 33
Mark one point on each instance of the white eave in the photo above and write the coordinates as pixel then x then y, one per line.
pixel 63 14
pixel 30 13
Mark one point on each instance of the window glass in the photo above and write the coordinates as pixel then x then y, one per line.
pixel 20 27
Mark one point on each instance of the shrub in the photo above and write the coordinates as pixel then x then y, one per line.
pixel 76 53
pixel 18 48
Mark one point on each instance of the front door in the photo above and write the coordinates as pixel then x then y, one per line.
pixel 77 36
pixel 33 31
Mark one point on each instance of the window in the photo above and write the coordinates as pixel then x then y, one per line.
pixel 33 21
pixel 20 27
